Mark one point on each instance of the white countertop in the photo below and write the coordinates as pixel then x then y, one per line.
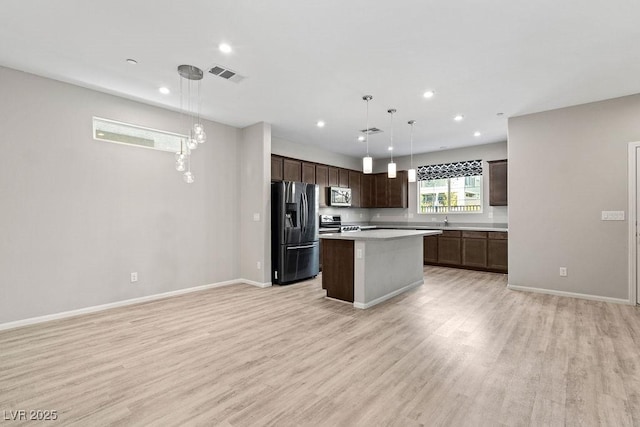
pixel 379 234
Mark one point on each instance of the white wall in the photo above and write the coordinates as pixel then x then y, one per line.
pixel 79 215
pixel 255 198
pixel 565 167
pixel 486 152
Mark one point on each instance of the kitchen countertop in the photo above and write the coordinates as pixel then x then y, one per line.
pixel 462 226
pixel 378 234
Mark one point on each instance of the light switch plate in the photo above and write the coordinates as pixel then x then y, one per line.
pixel 612 215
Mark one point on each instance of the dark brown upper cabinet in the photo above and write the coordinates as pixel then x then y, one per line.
pixel 292 170
pixel 498 182
pixel 308 173
pixel 334 177
pixel 276 168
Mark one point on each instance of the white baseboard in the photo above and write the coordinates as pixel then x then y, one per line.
pixel 388 296
pixel 93 309
pixel 254 283
pixel 570 294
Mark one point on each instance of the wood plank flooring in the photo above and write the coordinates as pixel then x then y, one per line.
pixel 460 350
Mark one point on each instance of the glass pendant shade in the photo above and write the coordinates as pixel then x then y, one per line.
pixel 367 164
pixel 391 170
pixel 412 175
pixel 190 76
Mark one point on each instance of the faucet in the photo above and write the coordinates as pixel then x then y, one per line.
pixel 446 220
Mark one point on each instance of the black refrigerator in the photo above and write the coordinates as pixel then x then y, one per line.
pixel 295 248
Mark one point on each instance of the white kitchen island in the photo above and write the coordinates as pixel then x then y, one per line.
pixel 371 266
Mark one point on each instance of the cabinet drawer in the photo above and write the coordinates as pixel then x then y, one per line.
pixel 498 235
pixel 475 234
pixel 450 233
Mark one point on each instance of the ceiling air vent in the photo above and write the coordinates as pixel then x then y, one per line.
pixel 226 74
pixel 371 131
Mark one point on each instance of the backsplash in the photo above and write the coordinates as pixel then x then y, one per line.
pixel 349 215
pixel 358 215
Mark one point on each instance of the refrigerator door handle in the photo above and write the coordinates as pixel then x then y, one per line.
pixel 306 211
pixel 302 213
pixel 290 248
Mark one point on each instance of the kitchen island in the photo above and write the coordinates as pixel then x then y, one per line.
pixel 369 267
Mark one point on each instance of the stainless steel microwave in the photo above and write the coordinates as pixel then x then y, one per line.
pixel 339 196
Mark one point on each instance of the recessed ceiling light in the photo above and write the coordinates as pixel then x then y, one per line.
pixel 477 133
pixel 224 48
pixel 429 94
pixel 390 148
pixel 443 147
pixel 320 124
pixel 458 118
pixel 132 61
pixel 361 138
pixel 499 114
pixel 164 90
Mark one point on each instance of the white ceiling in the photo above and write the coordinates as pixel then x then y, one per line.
pixel 309 60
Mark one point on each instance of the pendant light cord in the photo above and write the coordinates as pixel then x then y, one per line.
pixel 366 131
pixel 412 122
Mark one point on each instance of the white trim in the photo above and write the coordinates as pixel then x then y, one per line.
pixel 388 296
pixel 96 308
pixel 568 294
pixel 254 283
pixel 633 220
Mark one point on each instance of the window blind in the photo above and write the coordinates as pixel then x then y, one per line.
pixel 450 170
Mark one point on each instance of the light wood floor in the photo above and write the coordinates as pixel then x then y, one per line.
pixel 460 350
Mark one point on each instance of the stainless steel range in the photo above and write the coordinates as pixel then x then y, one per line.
pixel 333 224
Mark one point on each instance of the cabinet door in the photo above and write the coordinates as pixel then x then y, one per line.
pixel 322 179
pixel 398 190
pixel 366 193
pixel 308 173
pixel 381 194
pixel 334 179
pixel 498 183
pixel 498 252
pixel 474 250
pixel 430 249
pixel 343 178
pixel 355 184
pixel 276 168
pixel 338 268
pixel 292 170
pixel 449 248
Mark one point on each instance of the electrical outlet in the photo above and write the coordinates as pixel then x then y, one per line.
pixel 563 271
pixel 259 265
pixel 134 277
pixel 256 216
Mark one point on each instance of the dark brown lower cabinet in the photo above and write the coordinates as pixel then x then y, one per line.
pixel 449 246
pixel 498 252
pixel 430 249
pixel 475 250
pixel 337 268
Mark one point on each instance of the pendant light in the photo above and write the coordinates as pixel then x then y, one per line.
pixel 196 134
pixel 367 161
pixel 411 172
pixel 391 167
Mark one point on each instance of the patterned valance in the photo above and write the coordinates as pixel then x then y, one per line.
pixel 450 170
